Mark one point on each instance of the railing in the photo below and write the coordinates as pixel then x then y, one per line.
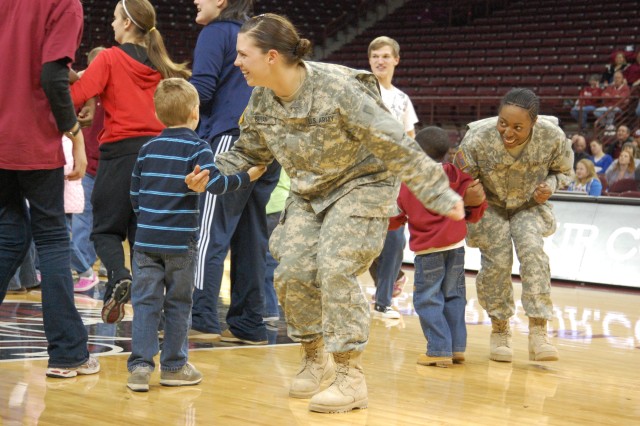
pixel 459 110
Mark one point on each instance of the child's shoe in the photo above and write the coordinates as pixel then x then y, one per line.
pixel 386 312
pixel 458 357
pixel 438 361
pixel 113 309
pixel 186 376
pixel 139 378
pixel 85 283
pixel 92 366
pixel 398 286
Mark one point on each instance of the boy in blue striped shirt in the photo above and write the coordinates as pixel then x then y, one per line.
pixel 165 250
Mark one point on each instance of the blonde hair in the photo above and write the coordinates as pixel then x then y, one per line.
pixel 591 171
pixel 383 41
pixel 175 99
pixel 143 16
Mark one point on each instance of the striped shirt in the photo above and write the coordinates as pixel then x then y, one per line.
pixel 166 208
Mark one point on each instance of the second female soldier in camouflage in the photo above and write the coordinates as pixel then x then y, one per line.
pixel 521 159
pixel 326 125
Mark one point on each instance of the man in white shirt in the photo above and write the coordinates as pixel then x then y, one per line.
pixel 384 56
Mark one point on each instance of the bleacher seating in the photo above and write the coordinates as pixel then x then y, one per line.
pixel 176 22
pixel 549 46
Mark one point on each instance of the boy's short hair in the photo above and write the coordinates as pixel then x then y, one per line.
pixel 593 77
pixel 382 41
pixel 174 100
pixel 94 52
pixel 434 141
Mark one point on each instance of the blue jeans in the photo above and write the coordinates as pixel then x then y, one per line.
pixel 575 113
pixel 44 221
pixel 26 276
pixel 78 263
pixel 81 227
pixel 270 298
pixel 439 298
pixel 387 265
pixel 161 282
pixel 611 114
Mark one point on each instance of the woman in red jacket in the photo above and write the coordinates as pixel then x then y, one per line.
pixel 125 77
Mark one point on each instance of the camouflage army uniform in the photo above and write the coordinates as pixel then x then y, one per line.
pixel 513 215
pixel 342 150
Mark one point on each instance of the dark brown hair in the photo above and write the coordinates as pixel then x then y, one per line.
pixel 271 31
pixel 523 98
pixel 237 10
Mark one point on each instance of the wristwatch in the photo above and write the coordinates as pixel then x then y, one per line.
pixel 72 133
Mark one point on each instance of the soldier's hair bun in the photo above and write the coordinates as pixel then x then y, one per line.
pixel 302 48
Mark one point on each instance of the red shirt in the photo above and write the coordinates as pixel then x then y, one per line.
pixel 587 94
pixel 126 88
pixel 429 230
pixel 33 33
pixel 612 95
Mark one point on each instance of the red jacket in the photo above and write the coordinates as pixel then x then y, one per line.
pixel 429 230
pixel 126 89
pixel 612 95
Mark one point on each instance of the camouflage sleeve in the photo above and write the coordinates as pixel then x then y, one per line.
pixel 561 166
pixel 249 150
pixel 368 122
pixel 466 159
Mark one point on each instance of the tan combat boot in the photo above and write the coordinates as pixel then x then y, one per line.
pixel 539 347
pixel 316 367
pixel 349 389
pixel 500 342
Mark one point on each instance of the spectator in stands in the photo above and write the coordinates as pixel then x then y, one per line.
pixel 615 99
pixel 517 188
pixel 579 147
pixel 388 277
pixel 631 147
pixel 237 221
pixel 586 179
pixel 614 147
pixel 600 159
pixel 587 101
pixel 619 64
pixel 632 72
pixel 636 142
pixel 125 77
pixel 624 168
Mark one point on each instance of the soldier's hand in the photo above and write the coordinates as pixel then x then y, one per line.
pixel 256 171
pixel 197 180
pixel 457 212
pixel 474 195
pixel 542 193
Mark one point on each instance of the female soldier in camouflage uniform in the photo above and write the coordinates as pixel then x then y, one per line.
pixel 520 159
pixel 327 126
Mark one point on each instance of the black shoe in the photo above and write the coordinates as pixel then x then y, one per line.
pixel 113 309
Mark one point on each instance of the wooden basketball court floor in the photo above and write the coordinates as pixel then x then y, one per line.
pixel 596 381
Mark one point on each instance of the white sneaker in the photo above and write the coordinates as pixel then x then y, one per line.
pixel 92 366
pixel 386 312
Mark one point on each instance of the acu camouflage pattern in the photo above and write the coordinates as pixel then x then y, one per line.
pixel 320 256
pixel 342 150
pixel 336 136
pixel 513 219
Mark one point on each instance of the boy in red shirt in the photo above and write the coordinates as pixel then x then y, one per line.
pixel 587 101
pixel 439 296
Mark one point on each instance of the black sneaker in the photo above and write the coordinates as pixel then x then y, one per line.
pixel 113 309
